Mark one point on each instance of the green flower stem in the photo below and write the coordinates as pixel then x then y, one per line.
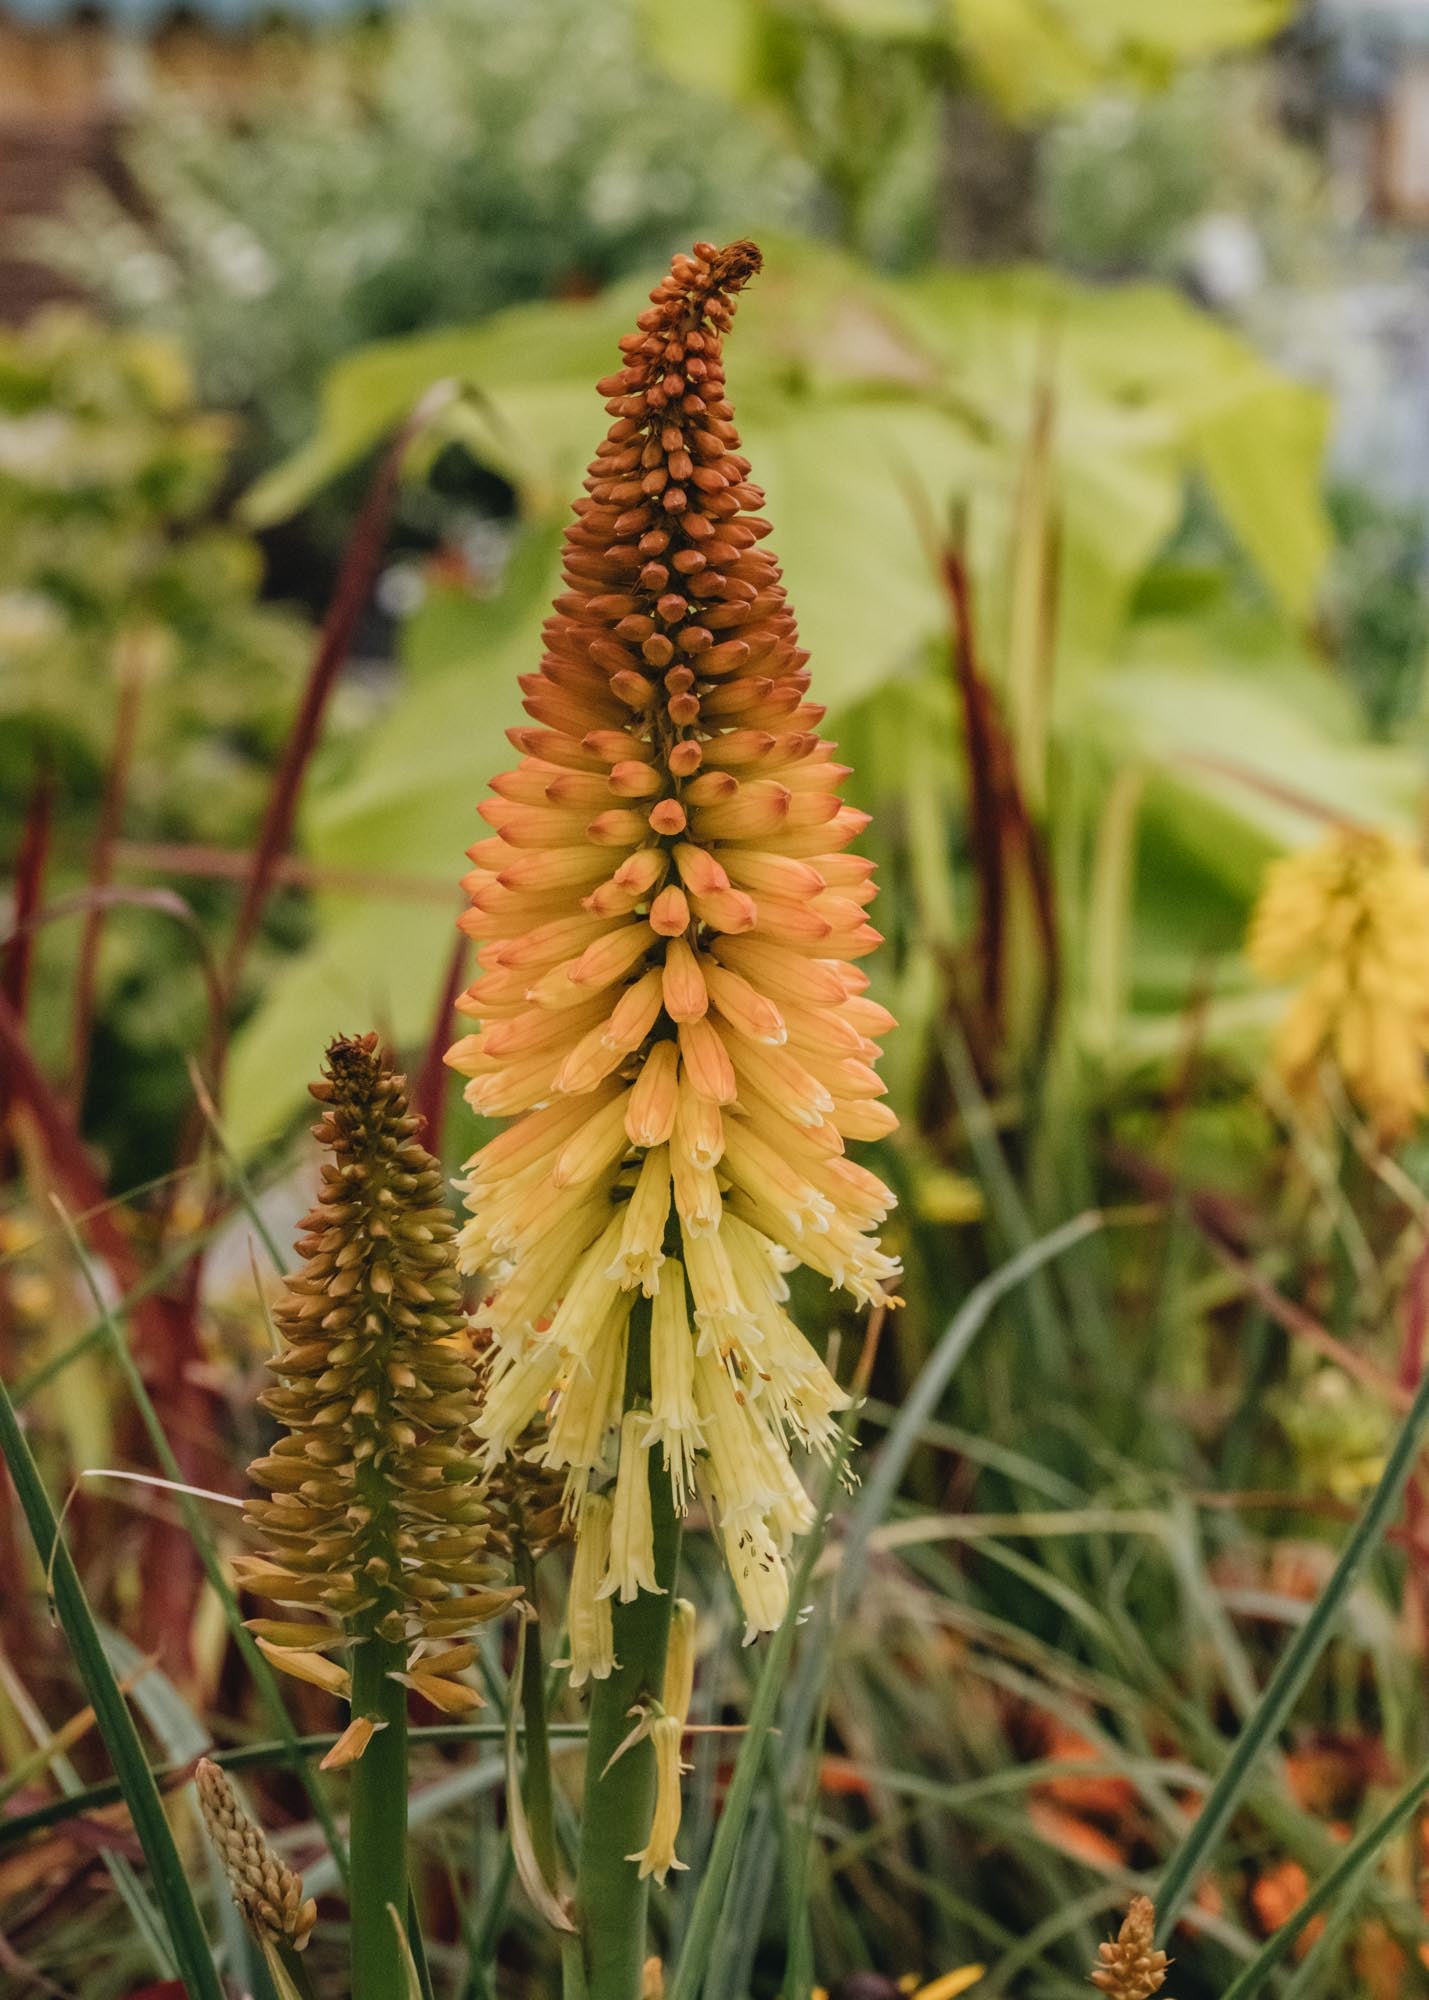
pixel 611 1900
pixel 378 1834
pixel 540 1799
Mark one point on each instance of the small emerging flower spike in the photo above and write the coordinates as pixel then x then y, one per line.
pixel 376 1524
pixel 268 1893
pixel 670 1004
pixel 1131 1967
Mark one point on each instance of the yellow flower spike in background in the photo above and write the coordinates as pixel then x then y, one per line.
pixel 1348 919
pixel 669 1003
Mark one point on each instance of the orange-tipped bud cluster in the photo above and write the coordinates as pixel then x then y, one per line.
pixel 670 1000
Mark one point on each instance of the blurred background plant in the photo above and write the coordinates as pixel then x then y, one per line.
pixel 416 182
pixel 142 677
pixel 1086 382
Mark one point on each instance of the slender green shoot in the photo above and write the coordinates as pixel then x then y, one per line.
pixel 117 1726
pixel 1285 1685
pixel 1339 1881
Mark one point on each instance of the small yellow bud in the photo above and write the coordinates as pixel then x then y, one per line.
pixel 680 1660
pixel 1132 1968
pixel 674 1418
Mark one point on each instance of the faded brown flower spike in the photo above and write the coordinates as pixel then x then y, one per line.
pixel 670 1004
pixel 376 1524
pixel 268 1893
pixel 1131 1967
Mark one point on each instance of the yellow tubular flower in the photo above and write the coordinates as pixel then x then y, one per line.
pixel 588 1611
pixel 658 1856
pixel 669 1004
pixel 1349 920
pixel 951 1984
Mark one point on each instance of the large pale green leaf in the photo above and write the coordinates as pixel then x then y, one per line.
pixel 871 407
pixel 406 809
pixel 1242 724
pixel 1146 389
pixel 528 360
pixel 1233 723
pixel 1038 57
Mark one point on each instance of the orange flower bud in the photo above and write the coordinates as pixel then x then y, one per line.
pixel 651 1116
pixel 686 996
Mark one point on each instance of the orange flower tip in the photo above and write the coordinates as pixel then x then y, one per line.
pixel 632 780
pixel 670 913
pixel 353 1741
pixel 668 817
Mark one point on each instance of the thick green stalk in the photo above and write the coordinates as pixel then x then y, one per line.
pixel 611 1900
pixel 378 1835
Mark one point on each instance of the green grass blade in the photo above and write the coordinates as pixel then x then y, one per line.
pixel 801 1702
pixel 154 1279
pixel 1340 1880
pixel 183 1738
pixel 709 1898
pixel 15 1827
pixel 265 1680
pixel 131 1891
pixel 116 1724
pixel 921 1404
pixel 1284 1687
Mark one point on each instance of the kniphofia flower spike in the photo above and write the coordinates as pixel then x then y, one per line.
pixel 670 1003
pixel 375 1523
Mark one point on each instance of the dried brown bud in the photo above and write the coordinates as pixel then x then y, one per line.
pixel 268 1893
pixel 1132 1968
pixel 376 1517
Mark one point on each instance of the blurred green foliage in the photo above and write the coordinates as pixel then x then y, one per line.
pixel 1125 180
pixel 115 573
pixel 431 184
pixel 1377 604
